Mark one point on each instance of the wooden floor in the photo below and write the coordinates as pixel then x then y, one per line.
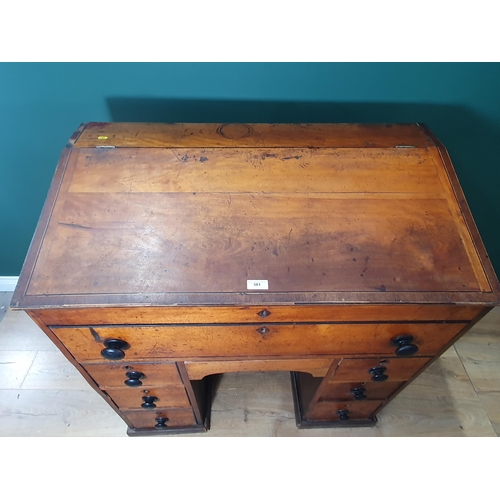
pixel 41 394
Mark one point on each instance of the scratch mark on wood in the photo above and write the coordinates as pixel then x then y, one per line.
pixel 176 155
pixel 96 335
pixel 367 258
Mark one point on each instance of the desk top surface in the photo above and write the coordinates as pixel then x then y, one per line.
pixel 167 214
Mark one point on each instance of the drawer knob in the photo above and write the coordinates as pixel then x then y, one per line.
pixel 161 422
pixel 358 393
pixel 377 373
pixel 264 313
pixel 404 345
pixel 149 402
pixel 134 378
pixel 263 330
pixel 114 349
pixel 343 414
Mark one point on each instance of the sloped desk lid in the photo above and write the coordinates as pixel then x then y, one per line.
pixel 254 213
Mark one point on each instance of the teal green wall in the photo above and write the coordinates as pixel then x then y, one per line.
pixel 42 104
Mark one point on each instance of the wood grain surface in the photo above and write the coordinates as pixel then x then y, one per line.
pixel 479 352
pixel 180 342
pixel 268 170
pixel 215 243
pixel 253 314
pixel 251 135
pixel 179 213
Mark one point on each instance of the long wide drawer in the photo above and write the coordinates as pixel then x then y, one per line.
pixel 150 342
pixel 255 314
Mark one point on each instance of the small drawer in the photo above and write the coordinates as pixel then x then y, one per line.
pixel 353 391
pixel 377 369
pixel 161 397
pixel 136 375
pixel 154 342
pixel 150 419
pixel 343 411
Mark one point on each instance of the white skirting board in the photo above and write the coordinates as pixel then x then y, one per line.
pixel 8 283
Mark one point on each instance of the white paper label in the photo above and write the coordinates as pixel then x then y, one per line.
pixel 257 285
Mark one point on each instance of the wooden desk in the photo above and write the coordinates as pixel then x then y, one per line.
pixel 167 253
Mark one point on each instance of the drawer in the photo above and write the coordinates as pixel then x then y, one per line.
pixel 255 314
pixel 132 398
pixel 147 419
pixel 355 410
pixel 378 370
pixel 349 391
pixel 154 342
pixel 141 375
pixel 316 367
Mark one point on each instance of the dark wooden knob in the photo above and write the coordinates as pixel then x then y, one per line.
pixel 134 379
pixel 358 393
pixel 149 402
pixel 114 349
pixel 343 414
pixel 378 374
pixel 404 345
pixel 161 423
